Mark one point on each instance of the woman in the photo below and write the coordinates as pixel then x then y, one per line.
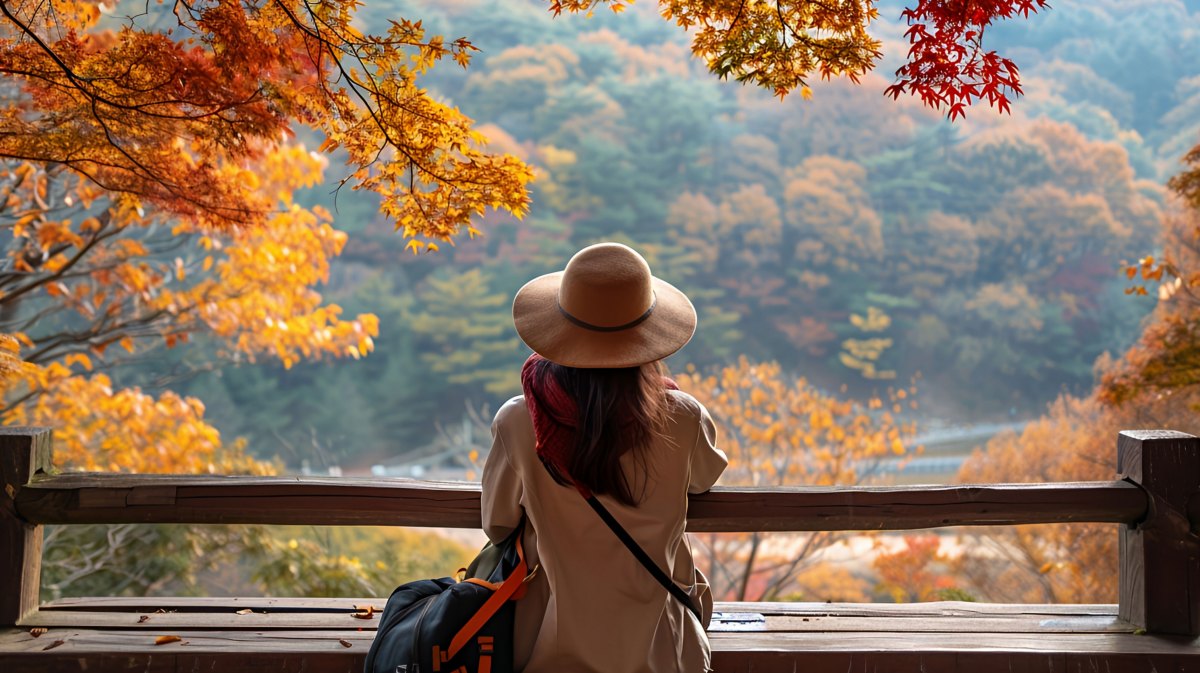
pixel 598 417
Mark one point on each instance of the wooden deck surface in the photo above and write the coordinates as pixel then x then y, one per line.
pixel 319 635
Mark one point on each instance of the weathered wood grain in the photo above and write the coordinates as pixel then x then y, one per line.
pixel 326 614
pixel 966 610
pixel 942 637
pixel 207 603
pixel 1159 585
pixel 326 652
pixel 910 507
pixel 937 653
pixel 109 498
pixel 23 453
pixel 265 620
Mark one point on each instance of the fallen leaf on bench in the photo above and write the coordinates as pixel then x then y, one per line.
pixel 364 613
pixel 345 643
pixel 143 618
pixel 244 611
pixel 163 640
pixel 38 631
pixel 53 645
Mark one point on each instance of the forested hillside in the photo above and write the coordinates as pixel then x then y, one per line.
pixel 855 240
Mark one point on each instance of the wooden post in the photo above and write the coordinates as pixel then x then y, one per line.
pixel 1160 555
pixel 23 453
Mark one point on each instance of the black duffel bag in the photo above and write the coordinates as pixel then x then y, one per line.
pixel 452 625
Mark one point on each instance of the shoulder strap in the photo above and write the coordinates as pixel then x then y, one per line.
pixel 636 549
pixel 642 557
pixel 505 591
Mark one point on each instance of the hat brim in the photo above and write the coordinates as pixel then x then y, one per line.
pixel 543 327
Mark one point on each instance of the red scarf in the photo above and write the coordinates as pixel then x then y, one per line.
pixel 554 414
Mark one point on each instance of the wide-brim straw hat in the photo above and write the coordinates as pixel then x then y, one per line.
pixel 605 310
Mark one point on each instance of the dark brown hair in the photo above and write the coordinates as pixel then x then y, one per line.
pixel 618 411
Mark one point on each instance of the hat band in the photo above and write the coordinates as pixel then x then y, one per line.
pixel 601 328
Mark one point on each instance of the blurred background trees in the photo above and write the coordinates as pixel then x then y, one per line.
pixel 778 430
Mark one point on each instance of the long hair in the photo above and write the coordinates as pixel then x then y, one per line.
pixel 619 411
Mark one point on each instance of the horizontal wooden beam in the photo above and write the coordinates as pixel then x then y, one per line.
pixel 121 498
pixel 164 614
pixel 914 507
pixel 1041 612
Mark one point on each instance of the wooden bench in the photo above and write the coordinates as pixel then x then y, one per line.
pixel 1152 629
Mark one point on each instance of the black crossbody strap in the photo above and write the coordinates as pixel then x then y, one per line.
pixel 644 558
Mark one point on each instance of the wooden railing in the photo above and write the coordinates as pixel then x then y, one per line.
pixel 1156 496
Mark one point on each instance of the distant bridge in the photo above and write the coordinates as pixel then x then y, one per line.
pixel 944 450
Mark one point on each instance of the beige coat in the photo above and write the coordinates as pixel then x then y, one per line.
pixel 592 606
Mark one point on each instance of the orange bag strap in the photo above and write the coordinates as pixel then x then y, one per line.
pixel 515 580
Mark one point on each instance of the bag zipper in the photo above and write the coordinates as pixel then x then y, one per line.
pixel 416 654
pixel 383 628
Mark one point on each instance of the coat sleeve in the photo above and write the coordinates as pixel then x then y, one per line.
pixel 502 490
pixel 708 462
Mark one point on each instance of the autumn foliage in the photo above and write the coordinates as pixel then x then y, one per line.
pixel 148 190
pixel 99 428
pixel 174 108
pixel 781 45
pixel 948 66
pixel 1152 385
pixel 1165 362
pixel 918 571
pixel 96 282
pixel 1070 563
pixel 1075 440
pixel 779 430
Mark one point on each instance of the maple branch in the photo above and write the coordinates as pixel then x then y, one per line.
pixel 737 17
pixel 80 165
pixel 1033 561
pixel 755 541
pixel 101 334
pixel 373 88
pixel 140 333
pixel 182 372
pixel 187 6
pixel 1017 553
pixel 148 108
pixel 789 567
pixel 52 308
pixel 96 238
pixel 783 24
pixel 32 261
pixel 315 33
pixel 719 570
pixel 412 186
pixel 192 110
pixel 148 174
pixel 83 84
pixel 811 43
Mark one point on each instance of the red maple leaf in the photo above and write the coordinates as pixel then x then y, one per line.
pixel 947 65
